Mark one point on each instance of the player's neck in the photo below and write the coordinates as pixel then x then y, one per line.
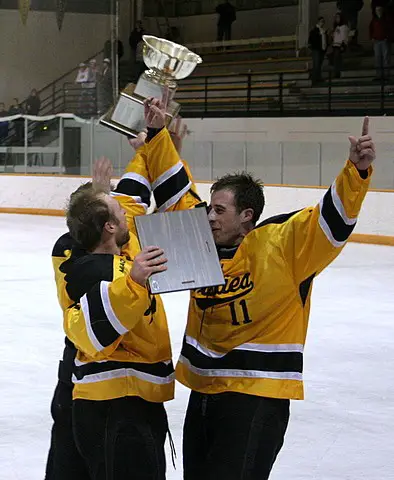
pixel 245 230
pixel 109 248
pixel 235 242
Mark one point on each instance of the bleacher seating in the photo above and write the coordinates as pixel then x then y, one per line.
pixel 264 76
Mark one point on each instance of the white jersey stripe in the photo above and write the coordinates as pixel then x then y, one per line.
pixel 92 337
pixel 248 347
pixel 167 174
pixel 124 373
pixel 240 373
pixel 113 319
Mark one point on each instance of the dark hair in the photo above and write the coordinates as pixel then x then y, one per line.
pixel 320 18
pixel 87 213
pixel 341 21
pixel 374 13
pixel 248 192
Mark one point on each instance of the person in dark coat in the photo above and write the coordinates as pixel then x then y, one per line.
pixel 134 39
pixel 380 31
pixel 19 124
pixel 33 103
pixel 105 87
pixel 108 49
pixel 318 41
pixel 227 16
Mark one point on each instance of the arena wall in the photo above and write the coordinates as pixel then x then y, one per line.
pixel 36 54
pixel 47 195
pixel 296 151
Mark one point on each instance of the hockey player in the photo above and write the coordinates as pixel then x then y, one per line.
pixel 132 191
pixel 123 371
pixel 242 354
pixel 64 460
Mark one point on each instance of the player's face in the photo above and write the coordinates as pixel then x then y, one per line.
pixel 122 235
pixel 224 219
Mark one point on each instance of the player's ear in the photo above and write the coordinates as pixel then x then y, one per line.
pixel 109 227
pixel 247 215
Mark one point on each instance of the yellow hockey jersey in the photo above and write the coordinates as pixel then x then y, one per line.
pixel 61 254
pixel 119 330
pixel 248 336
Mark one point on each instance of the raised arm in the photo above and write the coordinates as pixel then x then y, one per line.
pixel 314 237
pixel 170 177
pixel 133 191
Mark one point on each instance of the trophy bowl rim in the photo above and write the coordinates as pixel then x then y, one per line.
pixel 188 51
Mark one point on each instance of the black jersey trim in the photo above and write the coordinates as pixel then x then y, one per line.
pixel 245 360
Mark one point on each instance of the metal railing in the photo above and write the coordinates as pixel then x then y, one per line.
pixel 34 146
pixel 79 100
pixel 258 94
pixel 50 95
pixel 286 94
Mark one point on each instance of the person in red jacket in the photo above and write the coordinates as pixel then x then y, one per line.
pixel 379 31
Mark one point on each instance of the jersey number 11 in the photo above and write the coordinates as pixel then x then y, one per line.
pixel 245 313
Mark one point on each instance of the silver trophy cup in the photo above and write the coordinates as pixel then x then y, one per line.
pixel 167 63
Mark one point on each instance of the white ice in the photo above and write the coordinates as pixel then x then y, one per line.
pixel 344 430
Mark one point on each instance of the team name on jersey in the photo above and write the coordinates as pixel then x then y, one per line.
pixel 235 287
pixel 122 264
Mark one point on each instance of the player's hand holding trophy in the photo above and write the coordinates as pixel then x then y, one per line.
pixel 167 63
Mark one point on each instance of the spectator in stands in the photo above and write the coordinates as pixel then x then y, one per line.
pixel 134 40
pixel 104 88
pixel 19 124
pixel 340 38
pixel 379 32
pixel 350 10
pixel 318 42
pixel 83 73
pixel 33 103
pixel 378 3
pixel 15 108
pixel 227 16
pixel 109 49
pixel 91 85
pixel 92 71
pixel 388 7
pixel 139 65
pixel 83 93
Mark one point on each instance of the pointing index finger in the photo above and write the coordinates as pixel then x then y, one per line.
pixel 365 128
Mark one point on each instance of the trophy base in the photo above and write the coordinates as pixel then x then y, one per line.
pixel 127 116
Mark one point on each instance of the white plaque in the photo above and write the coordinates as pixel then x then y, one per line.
pixel 148 89
pixel 129 113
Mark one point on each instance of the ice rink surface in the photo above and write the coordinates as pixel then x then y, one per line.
pixel 344 430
